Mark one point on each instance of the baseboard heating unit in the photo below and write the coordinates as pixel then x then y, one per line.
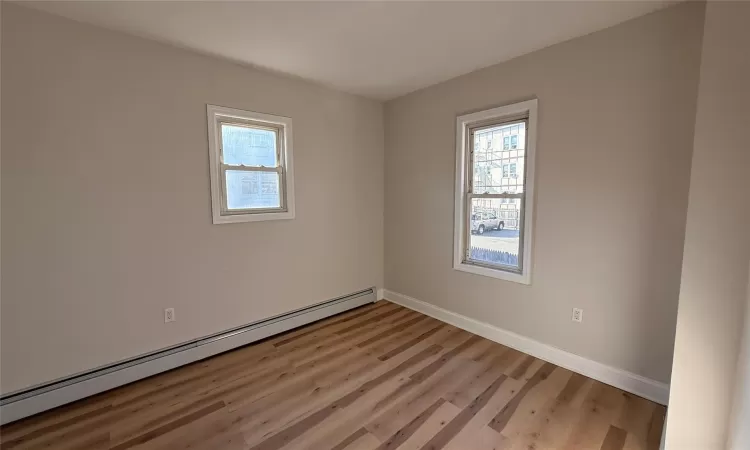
pixel 24 403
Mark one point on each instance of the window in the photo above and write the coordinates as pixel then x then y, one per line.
pixel 493 216
pixel 251 165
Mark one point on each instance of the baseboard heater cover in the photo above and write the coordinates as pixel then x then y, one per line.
pixel 27 402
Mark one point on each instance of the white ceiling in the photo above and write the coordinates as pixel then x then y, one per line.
pixel 379 50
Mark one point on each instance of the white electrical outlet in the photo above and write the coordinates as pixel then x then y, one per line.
pixel 169 315
pixel 577 315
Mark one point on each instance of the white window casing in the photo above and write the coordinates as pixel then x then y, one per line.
pixel 284 168
pixel 465 124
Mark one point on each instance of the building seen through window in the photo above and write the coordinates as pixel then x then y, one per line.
pixel 499 169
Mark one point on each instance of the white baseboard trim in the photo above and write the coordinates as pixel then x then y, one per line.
pixel 381 294
pixel 37 400
pixel 622 379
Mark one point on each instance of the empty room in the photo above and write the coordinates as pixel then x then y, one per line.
pixel 493 225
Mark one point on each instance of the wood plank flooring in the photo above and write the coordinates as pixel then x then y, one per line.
pixel 377 377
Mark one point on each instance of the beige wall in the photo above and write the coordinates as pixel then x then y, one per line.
pixel 717 240
pixel 616 115
pixel 106 214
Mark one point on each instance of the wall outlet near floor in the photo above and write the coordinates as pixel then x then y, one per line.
pixel 577 315
pixel 169 315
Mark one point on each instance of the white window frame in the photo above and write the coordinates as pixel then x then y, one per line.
pixel 464 124
pixel 282 126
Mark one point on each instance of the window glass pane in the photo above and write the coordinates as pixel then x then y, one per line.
pixel 246 190
pixel 497 171
pixel 495 241
pixel 248 146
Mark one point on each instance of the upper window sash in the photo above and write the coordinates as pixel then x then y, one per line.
pixel 254 125
pixel 489 124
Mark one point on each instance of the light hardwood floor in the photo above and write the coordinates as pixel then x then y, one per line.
pixel 378 377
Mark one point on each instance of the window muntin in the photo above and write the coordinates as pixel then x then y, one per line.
pixel 250 165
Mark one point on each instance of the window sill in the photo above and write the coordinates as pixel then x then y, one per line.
pixel 239 218
pixel 523 278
